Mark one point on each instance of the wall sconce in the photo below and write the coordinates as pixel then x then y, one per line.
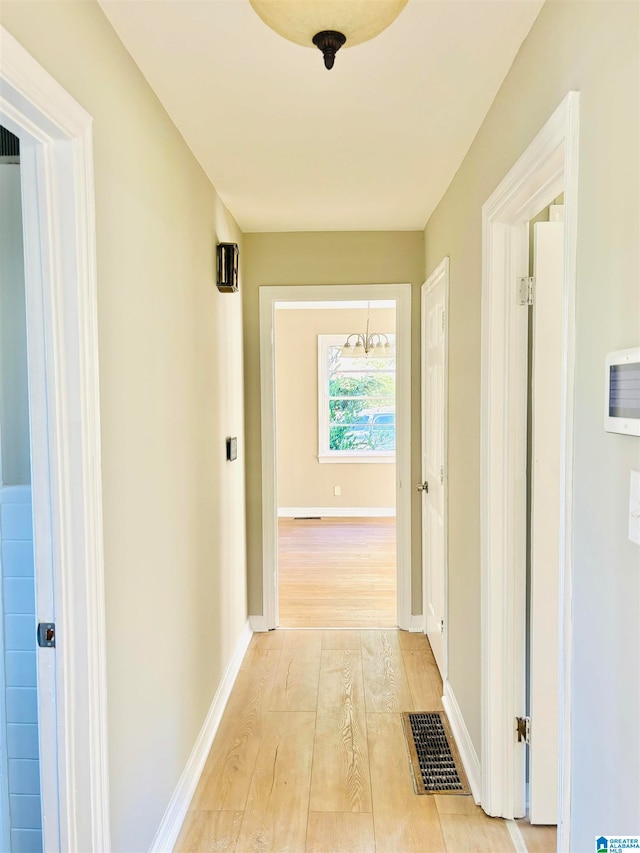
pixel 227 273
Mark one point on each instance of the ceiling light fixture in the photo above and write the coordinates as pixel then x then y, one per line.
pixel 361 345
pixel 328 24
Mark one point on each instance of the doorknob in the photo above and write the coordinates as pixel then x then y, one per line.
pixel 422 487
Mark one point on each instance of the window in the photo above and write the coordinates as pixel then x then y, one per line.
pixel 356 404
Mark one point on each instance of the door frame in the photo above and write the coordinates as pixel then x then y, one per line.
pixel 56 157
pixel 548 167
pixel 269 295
pixel 441 272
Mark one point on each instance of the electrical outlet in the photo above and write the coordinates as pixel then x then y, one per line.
pixel 634 507
pixel 337 491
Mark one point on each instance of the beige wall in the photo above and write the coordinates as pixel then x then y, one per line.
pixel 14 402
pixel 591 47
pixel 302 480
pixel 333 258
pixel 171 390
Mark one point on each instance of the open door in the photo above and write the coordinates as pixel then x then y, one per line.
pixel 545 521
pixel 433 486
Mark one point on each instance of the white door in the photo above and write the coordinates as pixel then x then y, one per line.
pixel 545 520
pixel 434 403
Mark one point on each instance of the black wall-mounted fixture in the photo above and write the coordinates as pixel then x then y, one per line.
pixel 232 448
pixel 227 271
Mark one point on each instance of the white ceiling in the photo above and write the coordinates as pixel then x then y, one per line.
pixel 371 145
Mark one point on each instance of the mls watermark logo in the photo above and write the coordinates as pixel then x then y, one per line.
pixel 617 843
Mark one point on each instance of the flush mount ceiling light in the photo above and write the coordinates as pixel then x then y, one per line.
pixel 328 24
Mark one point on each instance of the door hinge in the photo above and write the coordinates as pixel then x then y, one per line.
pixel 523 729
pixel 442 626
pixel 443 321
pixel 441 475
pixel 526 288
pixel 47 635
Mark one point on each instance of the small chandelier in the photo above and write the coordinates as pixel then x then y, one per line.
pixel 328 24
pixel 361 345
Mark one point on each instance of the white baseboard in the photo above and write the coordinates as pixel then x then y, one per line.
pixel 258 624
pixel 416 626
pixel 174 816
pixel 336 511
pixel 463 741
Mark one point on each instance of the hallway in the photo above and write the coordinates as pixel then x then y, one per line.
pixel 310 754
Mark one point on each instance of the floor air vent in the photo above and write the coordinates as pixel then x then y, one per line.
pixel 434 759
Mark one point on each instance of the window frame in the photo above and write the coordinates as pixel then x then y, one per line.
pixel 325 455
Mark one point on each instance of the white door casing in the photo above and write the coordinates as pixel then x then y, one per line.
pixel 548 167
pixel 545 520
pixel 269 296
pixel 434 323
pixel 56 154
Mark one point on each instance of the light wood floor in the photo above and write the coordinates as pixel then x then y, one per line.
pixel 337 573
pixel 310 755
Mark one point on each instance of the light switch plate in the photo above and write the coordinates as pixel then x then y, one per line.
pixel 634 507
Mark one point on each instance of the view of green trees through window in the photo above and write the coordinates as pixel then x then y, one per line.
pixel 362 393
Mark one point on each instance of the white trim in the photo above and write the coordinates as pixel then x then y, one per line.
pixel 401 295
pixel 335 305
pixel 548 167
pixel 416 625
pixel 60 275
pixel 516 836
pixel 463 740
pixel 439 273
pixel 171 823
pixel 258 624
pixel 336 511
pixel 337 457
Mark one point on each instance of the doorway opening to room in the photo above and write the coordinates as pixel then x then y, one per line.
pixel 20 801
pixel 528 299
pixel 336 447
pixel 53 732
pixel 327 414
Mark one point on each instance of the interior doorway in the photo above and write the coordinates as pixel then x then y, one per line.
pixel 371 425
pixel 546 169
pixel 20 801
pixel 64 510
pixel 336 438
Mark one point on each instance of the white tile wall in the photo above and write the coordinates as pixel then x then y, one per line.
pixel 19 624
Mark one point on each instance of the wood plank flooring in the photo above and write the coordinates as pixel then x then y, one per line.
pixel 310 755
pixel 337 572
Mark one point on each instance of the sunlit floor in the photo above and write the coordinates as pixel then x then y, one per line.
pixel 310 754
pixel 337 573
